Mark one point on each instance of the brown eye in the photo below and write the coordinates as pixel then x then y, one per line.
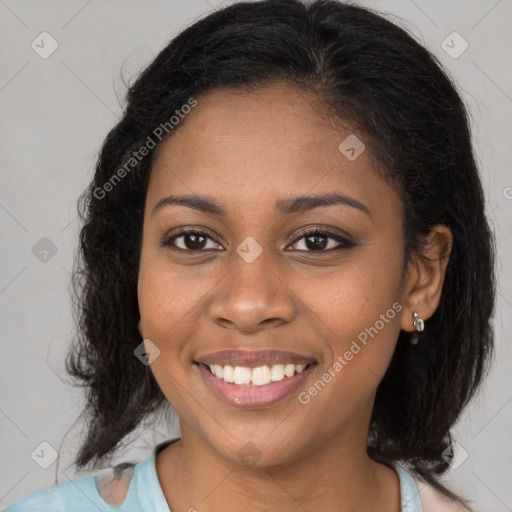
pixel 194 240
pixel 317 240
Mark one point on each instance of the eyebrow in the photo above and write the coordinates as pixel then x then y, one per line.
pixel 284 206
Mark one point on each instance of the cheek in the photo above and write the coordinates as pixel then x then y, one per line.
pixel 363 325
pixel 362 309
pixel 167 303
pixel 167 300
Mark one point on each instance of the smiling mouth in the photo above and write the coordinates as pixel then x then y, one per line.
pixel 255 376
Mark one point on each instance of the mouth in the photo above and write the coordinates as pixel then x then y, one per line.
pixel 257 376
pixel 254 379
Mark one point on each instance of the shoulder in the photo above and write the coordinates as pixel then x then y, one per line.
pixel 418 495
pixel 106 489
pixel 433 501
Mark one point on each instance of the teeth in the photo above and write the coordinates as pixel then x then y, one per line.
pixel 277 372
pixel 219 371
pixel 289 370
pixel 228 374
pixel 261 375
pixel 243 375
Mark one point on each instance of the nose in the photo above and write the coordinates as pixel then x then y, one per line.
pixel 253 297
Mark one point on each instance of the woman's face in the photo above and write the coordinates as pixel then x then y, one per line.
pixel 257 283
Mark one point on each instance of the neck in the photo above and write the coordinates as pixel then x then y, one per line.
pixel 337 476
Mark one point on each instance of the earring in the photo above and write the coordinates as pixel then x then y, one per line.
pixel 418 322
pixel 419 326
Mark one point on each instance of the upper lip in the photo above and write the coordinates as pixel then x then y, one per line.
pixel 253 359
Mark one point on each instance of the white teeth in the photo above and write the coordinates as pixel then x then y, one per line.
pixel 277 372
pixel 228 373
pixel 289 370
pixel 261 375
pixel 219 371
pixel 243 375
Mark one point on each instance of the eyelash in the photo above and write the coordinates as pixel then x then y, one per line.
pixel 345 242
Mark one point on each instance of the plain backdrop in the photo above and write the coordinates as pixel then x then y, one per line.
pixel 55 113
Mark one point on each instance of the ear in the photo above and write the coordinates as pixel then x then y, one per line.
pixel 139 325
pixel 425 276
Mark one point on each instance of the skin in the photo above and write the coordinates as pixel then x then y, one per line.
pixel 246 151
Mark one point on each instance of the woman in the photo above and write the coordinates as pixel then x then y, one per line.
pixel 282 241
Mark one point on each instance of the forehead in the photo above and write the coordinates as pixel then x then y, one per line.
pixel 246 124
pixel 276 141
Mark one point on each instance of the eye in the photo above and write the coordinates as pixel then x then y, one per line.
pixel 317 240
pixel 193 240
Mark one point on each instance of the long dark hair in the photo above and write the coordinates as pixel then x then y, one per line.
pixel 372 75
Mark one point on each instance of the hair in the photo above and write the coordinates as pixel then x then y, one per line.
pixel 377 79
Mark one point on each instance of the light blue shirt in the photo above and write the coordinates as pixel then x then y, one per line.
pixel 145 494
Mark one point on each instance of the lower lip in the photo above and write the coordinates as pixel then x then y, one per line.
pixel 254 396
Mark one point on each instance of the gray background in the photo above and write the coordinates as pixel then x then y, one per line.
pixel 55 113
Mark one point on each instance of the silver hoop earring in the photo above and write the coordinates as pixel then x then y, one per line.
pixel 419 325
